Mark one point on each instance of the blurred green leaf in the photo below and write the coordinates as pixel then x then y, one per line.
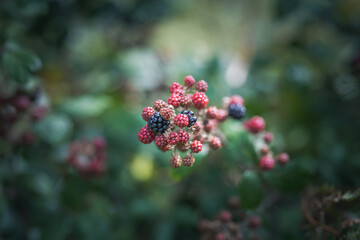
pixel 87 106
pixel 54 128
pixel 250 190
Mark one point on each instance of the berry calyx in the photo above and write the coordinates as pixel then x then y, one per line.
pixel 282 158
pixel 215 143
pixel 157 124
pixel 200 100
pixel 181 120
pixel 166 113
pixel 158 104
pixel 189 81
pixel 237 111
pixel 188 161
pixel 147 113
pixel 266 163
pixel 175 161
pixel 268 137
pixel 174 87
pixel 196 146
pixel 162 143
pixel 174 100
pixel 211 112
pixel 146 135
pixel 201 86
pixel 173 138
pixel 183 136
pixel 255 124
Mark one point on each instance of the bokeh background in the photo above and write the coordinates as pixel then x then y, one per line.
pixel 295 62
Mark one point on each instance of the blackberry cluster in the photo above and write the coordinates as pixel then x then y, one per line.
pixel 237 111
pixel 157 124
pixel 192 118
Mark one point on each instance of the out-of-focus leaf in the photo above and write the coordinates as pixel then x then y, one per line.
pixel 54 128
pixel 87 106
pixel 250 190
pixel 351 196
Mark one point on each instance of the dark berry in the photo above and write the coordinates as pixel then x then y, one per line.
pixel 237 111
pixel 157 124
pixel 192 118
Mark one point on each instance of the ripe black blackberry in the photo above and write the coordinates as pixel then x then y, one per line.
pixel 157 124
pixel 192 118
pixel 237 111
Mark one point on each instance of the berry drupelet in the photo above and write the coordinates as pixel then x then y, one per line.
pixel 157 124
pixel 192 118
pixel 237 111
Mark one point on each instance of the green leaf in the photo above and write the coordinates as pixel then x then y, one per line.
pixel 351 196
pixel 55 128
pixel 250 190
pixel 87 106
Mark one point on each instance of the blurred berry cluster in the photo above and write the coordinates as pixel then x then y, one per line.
pixel 88 157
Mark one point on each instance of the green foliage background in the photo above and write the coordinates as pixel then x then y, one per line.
pixel 101 62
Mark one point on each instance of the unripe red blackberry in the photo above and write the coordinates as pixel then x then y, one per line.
pixel 188 161
pixel 99 143
pixel 173 138
pixel 255 124
pixel 200 100
pixel 147 113
pixel 175 86
pixel 282 158
pixel 215 143
pixel 146 135
pixel 186 101
pixel 183 136
pixel 221 115
pixel 166 113
pixel 162 143
pixel 175 161
pixel 196 146
pixel 189 81
pixel 220 236
pixel 254 222
pixel 209 125
pixel 236 99
pixel 21 103
pixel 211 112
pixel 264 150
pixel 201 86
pixel 225 216
pixel 158 104
pixel 179 92
pixel 181 120
pixel 266 163
pixel 174 100
pixel 268 137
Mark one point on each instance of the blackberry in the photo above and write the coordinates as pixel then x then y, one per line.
pixel 192 118
pixel 237 111
pixel 157 124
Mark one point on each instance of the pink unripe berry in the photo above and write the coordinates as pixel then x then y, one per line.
pixel 181 120
pixel 255 124
pixel 266 163
pixel 282 158
pixel 147 113
pixel 268 137
pixel 189 81
pixel 174 87
pixel 201 86
pixel 237 100
pixel 196 146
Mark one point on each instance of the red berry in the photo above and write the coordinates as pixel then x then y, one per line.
pixel 186 101
pixel 200 100
pixel 282 158
pixel 158 104
pixel 161 143
pixel 99 143
pixel 175 161
pixel 264 150
pixel 237 100
pixel 189 81
pixel 175 86
pixel 211 112
pixel 21 103
pixel 147 113
pixel 215 143
pixel 183 136
pixel 221 115
pixel 174 100
pixel 266 163
pixel 166 113
pixel 179 92
pixel 146 135
pixel 173 138
pixel 225 216
pixel 268 137
pixel 255 124
pixel 188 161
pixel 181 120
pixel 254 222
pixel 196 146
pixel 210 125
pixel 201 86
